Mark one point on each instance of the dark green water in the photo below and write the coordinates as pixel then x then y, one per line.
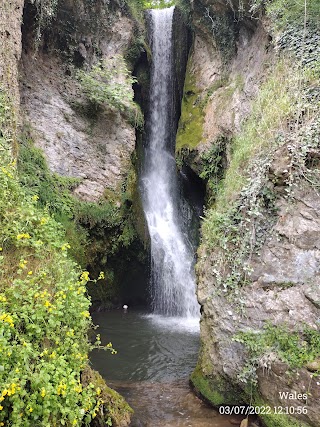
pixel 151 369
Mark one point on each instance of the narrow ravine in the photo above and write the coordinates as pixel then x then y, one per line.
pixel 158 348
pixel 172 273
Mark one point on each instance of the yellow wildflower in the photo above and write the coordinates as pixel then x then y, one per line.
pixel 5 317
pixel 30 273
pixel 78 389
pixel 65 247
pixel 85 276
pixel 43 392
pixel 23 263
pixel 3 298
pixel 47 303
pixel 23 236
pixel 1 407
pixel 85 314
pixel 35 197
pixel 43 221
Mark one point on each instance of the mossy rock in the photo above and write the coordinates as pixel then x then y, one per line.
pixel 215 391
pixel 191 122
pixel 276 420
pixel 114 406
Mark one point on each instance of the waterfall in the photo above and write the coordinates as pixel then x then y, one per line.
pixel 172 258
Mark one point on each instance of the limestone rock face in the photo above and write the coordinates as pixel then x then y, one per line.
pixel 283 287
pixel 284 290
pixel 10 42
pixel 224 90
pixel 94 147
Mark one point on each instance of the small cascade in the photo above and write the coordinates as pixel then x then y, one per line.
pixel 172 255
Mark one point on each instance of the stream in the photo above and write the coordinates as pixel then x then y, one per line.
pixel 155 358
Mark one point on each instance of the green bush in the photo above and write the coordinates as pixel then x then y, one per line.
pixel 109 84
pixel 44 317
pixel 54 193
pixel 288 12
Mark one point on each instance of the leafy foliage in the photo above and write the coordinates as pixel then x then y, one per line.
pixel 53 190
pixel 158 4
pixel 44 315
pixel 213 165
pixel 109 84
pixel 54 193
pixel 46 11
pixel 286 12
pixel 296 348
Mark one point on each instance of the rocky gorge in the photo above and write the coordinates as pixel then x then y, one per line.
pixel 246 97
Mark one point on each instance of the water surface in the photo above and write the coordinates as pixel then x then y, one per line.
pixel 155 358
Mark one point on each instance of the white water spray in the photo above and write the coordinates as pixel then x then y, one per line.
pixel 172 270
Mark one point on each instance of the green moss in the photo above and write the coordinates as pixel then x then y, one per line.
pixel 276 420
pixel 53 190
pixel 215 391
pixel 190 128
pixel 115 408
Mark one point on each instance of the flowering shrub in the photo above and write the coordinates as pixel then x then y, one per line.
pixel 44 315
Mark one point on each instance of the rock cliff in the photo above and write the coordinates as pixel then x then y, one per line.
pixel 246 131
pixel 10 41
pixel 95 147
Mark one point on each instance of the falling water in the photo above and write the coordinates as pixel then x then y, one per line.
pixel 172 281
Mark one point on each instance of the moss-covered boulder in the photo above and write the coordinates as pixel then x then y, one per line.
pixel 114 408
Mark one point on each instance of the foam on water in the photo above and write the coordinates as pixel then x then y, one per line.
pixel 178 324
